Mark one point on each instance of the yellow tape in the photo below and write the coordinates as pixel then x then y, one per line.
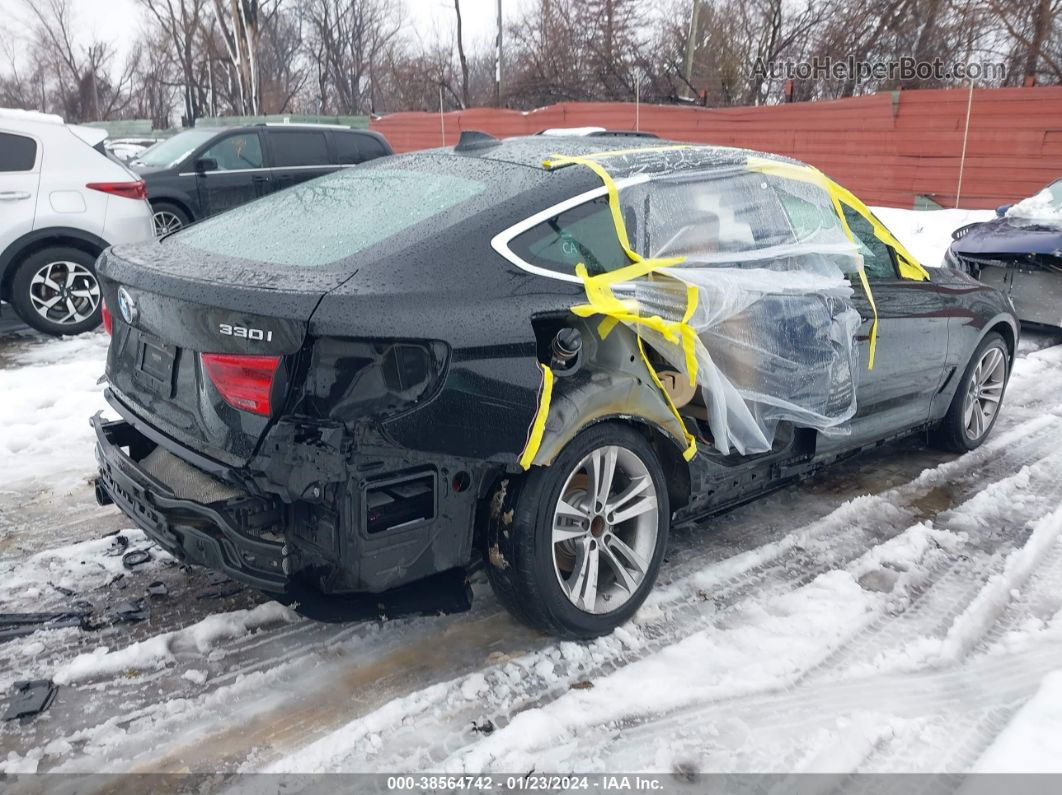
pixel 910 268
pixel 603 301
pixel 837 195
pixel 874 325
pixel 538 426
pixel 691 442
pixel 613 199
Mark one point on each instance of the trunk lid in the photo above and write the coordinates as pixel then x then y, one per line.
pixel 170 305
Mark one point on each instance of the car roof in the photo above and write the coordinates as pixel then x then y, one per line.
pixel 278 126
pixel 622 157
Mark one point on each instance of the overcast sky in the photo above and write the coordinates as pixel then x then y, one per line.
pixel 119 21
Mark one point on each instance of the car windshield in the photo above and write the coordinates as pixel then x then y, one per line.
pixel 172 151
pixel 328 219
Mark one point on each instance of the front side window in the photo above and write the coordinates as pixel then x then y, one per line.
pixel 172 151
pixel 236 152
pixel 877 257
pixel 17 152
pixel 298 148
pixel 584 233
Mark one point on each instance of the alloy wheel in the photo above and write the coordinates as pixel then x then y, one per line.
pixel 165 222
pixel 984 393
pixel 605 528
pixel 64 293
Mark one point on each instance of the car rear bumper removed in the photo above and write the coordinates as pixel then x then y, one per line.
pixel 212 534
pixel 305 516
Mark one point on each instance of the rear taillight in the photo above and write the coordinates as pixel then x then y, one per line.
pixel 108 320
pixel 245 382
pixel 127 190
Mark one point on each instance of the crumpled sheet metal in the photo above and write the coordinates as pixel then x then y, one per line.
pixel 741 287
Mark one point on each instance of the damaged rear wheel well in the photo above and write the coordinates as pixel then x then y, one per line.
pixel 676 470
pixel 668 453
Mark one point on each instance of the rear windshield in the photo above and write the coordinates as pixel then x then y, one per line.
pixel 328 219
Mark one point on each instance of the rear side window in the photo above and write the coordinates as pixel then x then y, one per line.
pixel 584 233
pixel 299 148
pixel 17 152
pixel 352 148
pixel 236 152
pixel 372 147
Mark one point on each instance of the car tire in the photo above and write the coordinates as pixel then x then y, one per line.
pixel 168 217
pixel 978 398
pixel 543 554
pixel 56 292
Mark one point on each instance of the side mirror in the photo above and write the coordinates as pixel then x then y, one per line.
pixel 204 164
pixel 1002 210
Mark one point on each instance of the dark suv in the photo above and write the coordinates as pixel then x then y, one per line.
pixel 205 171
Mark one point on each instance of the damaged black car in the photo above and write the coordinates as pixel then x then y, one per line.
pixel 538 353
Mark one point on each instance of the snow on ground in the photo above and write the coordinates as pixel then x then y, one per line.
pixel 1033 739
pixel 927 233
pixel 49 391
pixel 900 612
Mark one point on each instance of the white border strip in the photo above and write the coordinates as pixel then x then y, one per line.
pixel 500 242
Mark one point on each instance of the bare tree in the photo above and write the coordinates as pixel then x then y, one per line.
pixel 180 22
pixel 240 24
pixel 461 55
pixel 82 85
pixel 352 39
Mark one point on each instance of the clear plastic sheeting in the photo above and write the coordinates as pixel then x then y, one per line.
pixel 740 283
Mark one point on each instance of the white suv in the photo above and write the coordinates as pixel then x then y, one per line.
pixel 62 202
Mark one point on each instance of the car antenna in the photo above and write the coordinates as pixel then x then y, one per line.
pixel 471 140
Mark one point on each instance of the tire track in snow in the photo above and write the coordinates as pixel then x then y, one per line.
pixel 979 724
pixel 837 529
pixel 931 608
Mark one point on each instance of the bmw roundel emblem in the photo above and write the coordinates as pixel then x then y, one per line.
pixel 126 307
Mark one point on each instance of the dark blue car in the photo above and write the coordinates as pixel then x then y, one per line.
pixel 1019 252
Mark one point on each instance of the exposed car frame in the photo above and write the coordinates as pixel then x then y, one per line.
pixel 1020 256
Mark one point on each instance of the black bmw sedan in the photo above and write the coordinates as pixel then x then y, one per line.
pixel 541 353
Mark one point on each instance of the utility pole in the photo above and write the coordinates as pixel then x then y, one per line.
pixel 498 61
pixel 691 46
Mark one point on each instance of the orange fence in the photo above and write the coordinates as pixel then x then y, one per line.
pixel 887 148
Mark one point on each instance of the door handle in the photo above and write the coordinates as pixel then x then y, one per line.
pixel 13 195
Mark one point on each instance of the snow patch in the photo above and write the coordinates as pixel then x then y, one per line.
pixel 927 233
pixel 45 437
pixel 158 652
pixel 1043 207
pixel 1032 741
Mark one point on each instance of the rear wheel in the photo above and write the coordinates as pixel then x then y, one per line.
pixel 55 291
pixel 976 404
pixel 167 218
pixel 574 548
